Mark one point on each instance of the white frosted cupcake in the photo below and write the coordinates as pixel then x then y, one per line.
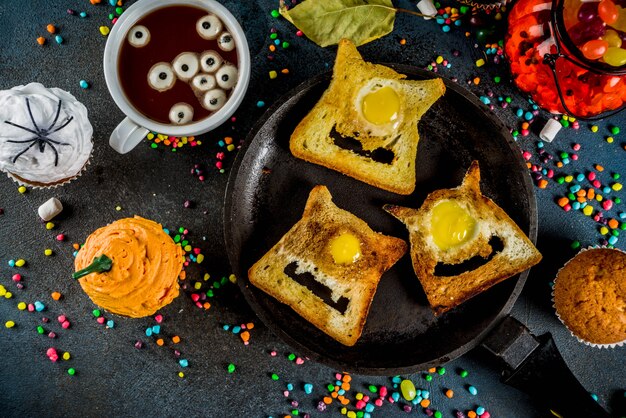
pixel 45 135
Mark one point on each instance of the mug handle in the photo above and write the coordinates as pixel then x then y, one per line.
pixel 126 136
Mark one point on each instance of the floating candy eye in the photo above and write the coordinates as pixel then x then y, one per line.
pixel 214 99
pixel 139 36
pixel 226 41
pixel 226 76
pixel 161 76
pixel 186 65
pixel 209 27
pixel 181 113
pixel 203 82
pixel 210 61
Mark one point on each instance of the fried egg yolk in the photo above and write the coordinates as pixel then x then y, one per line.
pixel 381 106
pixel 345 248
pixel 451 225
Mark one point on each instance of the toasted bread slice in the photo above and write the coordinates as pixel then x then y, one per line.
pixel 445 292
pixel 343 291
pixel 337 135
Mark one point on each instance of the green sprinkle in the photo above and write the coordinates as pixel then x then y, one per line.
pixel 330 387
pixel 623 226
pixel 285 45
pixel 40 329
pixel 441 371
pixel 463 9
pixel 571 196
pixel 463 373
pixel 575 244
pixel 560 180
pixel 209 293
pixel 181 230
pixel 71 371
pixel 291 357
pixel 231 368
pixel 615 233
pixel 564 123
pixel 617 200
pixel 275 376
pixel 119 10
pixel 515 133
pixel 374 389
pixel 177 238
pixel 616 176
pixel 614 130
pixel 428 378
pixel 184 243
pixel 96 313
pixel 360 414
pixel 295 412
pixel 508 99
pixel 216 285
pixel 275 13
pixel 438 414
pixel 497 79
pixel 273 36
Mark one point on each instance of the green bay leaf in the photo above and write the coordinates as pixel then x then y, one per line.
pixel 326 22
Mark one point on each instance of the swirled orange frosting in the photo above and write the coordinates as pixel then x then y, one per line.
pixel 146 266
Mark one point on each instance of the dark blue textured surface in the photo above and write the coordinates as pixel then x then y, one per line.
pixel 115 379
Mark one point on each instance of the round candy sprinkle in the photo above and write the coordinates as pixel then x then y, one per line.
pixel 274 376
pixel 9 324
pixel 472 390
pixel 58 39
pixel 41 40
pixel 49 225
pixel 47 252
pixel 231 368
pixel 104 30
pixel 83 84
pixel 71 371
pixel 20 262
pixel 408 390
pixel 480 410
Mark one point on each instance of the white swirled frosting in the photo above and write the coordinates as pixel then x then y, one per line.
pixel 72 142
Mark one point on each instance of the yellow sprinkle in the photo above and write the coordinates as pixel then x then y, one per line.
pixel 104 30
pixel 118 208
pixel 604 230
pixel 197 285
pixel 480 62
pixel 230 147
pixel 21 306
pixel 206 277
pixel 594 128
pixel 599 197
pixel 344 410
pixel 8 295
pixel 273 74
pixel 66 356
pixel 198 142
pixel 617 187
pixel 3 291
pixel 439 59
pixel 21 189
pixel 9 324
pixel 569 179
pixel 200 258
pixel 49 225
pixel 232 278
pixel 47 252
pixel 20 263
pixel 181 374
pixel 359 396
pixel 150 136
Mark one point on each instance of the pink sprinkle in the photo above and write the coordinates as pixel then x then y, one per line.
pixel 219 155
pixel 338 376
pixel 158 318
pixel 233 119
pixel 390 399
pixel 53 357
pixel 52 335
pixel 591 176
pixel 62 318
pixel 567 207
pixel 379 402
pixel 246 343
pixel 31 307
pixel 45 320
pixel 17 277
pixel 525 132
pixel 576 147
pixel 485 414
pixel 366 398
pixel 550 173
pixel 60 237
pixel 286 393
pixel 199 305
pixel 243 326
pixel 65 324
pixel 607 204
pixel 195 297
pixel 51 351
pixel 574 157
pixel 597 216
pixel 273 353
pixel 596 183
pixel 360 404
pixel 299 33
pixel 114 20
pixel 527 155
pixel 218 165
pixel 196 251
pixel 299 361
pixel 100 319
pixel 575 125
pixel 382 391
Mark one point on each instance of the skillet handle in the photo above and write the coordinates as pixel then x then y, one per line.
pixel 535 366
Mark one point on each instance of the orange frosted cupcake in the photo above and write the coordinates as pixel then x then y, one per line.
pixel 144 270
pixel 590 296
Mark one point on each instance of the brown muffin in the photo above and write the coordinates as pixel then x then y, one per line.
pixel 590 296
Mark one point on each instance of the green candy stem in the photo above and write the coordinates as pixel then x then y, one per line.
pixel 99 264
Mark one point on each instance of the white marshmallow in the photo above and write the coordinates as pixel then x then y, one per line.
pixel 51 208
pixel 549 131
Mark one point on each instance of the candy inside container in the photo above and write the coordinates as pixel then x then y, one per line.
pixel 570 55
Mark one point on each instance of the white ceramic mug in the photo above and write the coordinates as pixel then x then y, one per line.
pixel 136 126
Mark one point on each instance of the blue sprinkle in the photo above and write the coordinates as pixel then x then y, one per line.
pixel 445 15
pixel 622 215
pixel 528 116
pixel 289 387
pixel 580 177
pixel 519 112
pixel 472 390
pixel 485 100
pixel 445 28
pixel 395 396
pixel 156 329
pixel 83 84
pixel 149 332
pixel 544 171
pixel 613 240
pixel 236 329
pixel 565 160
pixel 540 145
pixel 574 188
pixel 167 231
pixel 341 392
pixel 425 394
pixel 183 362
pixel 75 253
pixel 276 42
pixel 369 407
pixel 367 415
pixel 576 205
pixel 113 2
pixel 58 39
pixel 39 306
pixel 480 410
pixel 110 323
pixel 260 103
pixel 221 143
pixel 535 107
pixel 457 22
pixel 308 388
pixel 606 189
pixel 226 327
pixel 11 263
pixel 396 379
pixel 582 205
pixel 83 14
pixel 440 20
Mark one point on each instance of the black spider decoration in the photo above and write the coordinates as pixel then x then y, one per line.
pixel 41 139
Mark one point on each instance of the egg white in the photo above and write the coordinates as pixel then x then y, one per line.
pixel 365 126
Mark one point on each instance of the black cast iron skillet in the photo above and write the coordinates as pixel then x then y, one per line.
pixel 266 194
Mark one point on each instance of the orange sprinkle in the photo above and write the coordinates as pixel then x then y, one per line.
pixel 563 201
pixel 95 1
pixel 175 339
pixel 449 393
pixel 56 295
pixel 182 275
pixel 337 388
pixel 167 142
pixel 543 183
pixel 581 193
pixel 402 41
pixel 250 325
pixel 76 246
pixel 528 165
pixel 599 167
pixel 333 395
pixel 476 80
pixel 245 336
pixel 591 193
pixel 432 370
pixel 425 403
pixel 272 48
pixel 581 199
pixel 525 125
pixel 345 401
pixel 206 305
pixel 327 400
pixel 345 386
pixel 228 140
pixel 613 224
pixel 41 40
pixel 50 28
pixel 160 342
pixel 471 414
pixel 285 71
pixel 559 164
pixel 119 3
pixel 346 378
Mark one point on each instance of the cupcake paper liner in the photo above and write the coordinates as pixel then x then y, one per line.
pixel 24 182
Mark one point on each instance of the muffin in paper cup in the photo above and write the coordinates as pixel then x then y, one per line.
pixel 46 136
pixel 589 296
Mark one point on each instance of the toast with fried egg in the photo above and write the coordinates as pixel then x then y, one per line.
pixel 451 227
pixel 365 123
pixel 327 267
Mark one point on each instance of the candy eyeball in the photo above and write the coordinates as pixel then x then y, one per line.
pixel 210 61
pixel 161 76
pixel 203 82
pixel 226 41
pixel 226 76
pixel 138 36
pixel 209 27
pixel 181 113
pixel 186 65
pixel 214 99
